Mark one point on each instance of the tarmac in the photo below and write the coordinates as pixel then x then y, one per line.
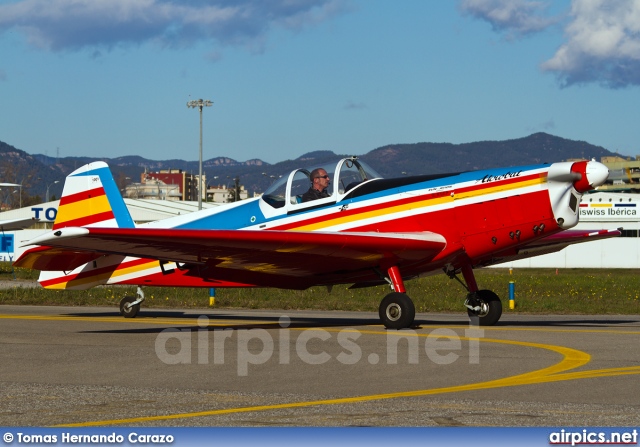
pixel 11 283
pixel 88 366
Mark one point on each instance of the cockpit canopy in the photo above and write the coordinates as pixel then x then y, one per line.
pixel 347 174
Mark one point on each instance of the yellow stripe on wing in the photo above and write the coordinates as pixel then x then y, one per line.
pixel 102 277
pixel 136 268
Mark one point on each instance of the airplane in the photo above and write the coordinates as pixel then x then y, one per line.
pixel 17 224
pixel 368 231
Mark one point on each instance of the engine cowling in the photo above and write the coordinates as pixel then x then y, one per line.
pixel 567 182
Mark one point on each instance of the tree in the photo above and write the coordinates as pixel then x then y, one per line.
pixel 234 193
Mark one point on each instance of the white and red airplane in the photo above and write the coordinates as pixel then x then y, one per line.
pixel 367 231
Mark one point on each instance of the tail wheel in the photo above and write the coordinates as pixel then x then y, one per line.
pixel 490 308
pixel 126 309
pixel 397 311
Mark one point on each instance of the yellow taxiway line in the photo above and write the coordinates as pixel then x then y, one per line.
pixel 561 371
pixel 571 359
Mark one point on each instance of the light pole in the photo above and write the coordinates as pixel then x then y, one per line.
pixel 200 103
pixel 48 186
pixel 167 192
pixel 12 185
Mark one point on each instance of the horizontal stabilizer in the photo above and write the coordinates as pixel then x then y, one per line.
pixel 53 259
pixel 554 243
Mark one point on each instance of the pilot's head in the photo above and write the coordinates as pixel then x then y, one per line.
pixel 319 179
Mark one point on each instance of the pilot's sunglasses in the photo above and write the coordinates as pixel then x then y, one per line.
pixel 322 176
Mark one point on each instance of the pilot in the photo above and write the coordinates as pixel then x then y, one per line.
pixel 319 184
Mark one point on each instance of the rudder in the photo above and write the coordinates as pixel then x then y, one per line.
pixel 91 198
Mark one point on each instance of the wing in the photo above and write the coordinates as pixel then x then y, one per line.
pixel 264 258
pixel 554 243
pixel 17 224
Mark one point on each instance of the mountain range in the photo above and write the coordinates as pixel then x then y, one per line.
pixel 37 171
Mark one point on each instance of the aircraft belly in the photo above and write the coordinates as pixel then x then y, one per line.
pixel 178 278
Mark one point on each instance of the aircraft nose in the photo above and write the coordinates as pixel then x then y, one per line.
pixel 597 173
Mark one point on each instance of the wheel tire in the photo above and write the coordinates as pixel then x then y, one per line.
pixel 126 310
pixel 491 308
pixel 397 311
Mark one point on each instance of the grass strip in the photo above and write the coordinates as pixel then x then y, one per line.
pixel 563 291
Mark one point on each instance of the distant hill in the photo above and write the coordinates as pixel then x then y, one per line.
pixel 434 158
pixel 37 171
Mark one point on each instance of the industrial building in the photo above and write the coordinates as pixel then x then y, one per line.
pixel 166 184
pixel 624 174
pixel 177 185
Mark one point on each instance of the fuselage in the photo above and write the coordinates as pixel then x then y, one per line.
pixel 483 215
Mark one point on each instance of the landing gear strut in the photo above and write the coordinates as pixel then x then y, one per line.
pixel 396 310
pixel 130 306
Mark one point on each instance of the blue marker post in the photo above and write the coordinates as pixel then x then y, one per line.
pixel 512 295
pixel 212 296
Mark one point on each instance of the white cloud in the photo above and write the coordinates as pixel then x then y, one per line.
pixel 59 25
pixel 516 18
pixel 603 44
pixel 550 124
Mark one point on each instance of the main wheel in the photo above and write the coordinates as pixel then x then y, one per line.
pixel 397 311
pixel 490 308
pixel 126 309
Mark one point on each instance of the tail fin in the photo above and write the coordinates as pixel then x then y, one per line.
pixel 91 198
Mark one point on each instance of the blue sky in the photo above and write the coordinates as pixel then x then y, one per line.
pixel 108 78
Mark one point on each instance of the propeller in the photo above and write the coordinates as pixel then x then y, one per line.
pixel 584 175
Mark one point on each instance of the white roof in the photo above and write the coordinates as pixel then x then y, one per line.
pixel 141 210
